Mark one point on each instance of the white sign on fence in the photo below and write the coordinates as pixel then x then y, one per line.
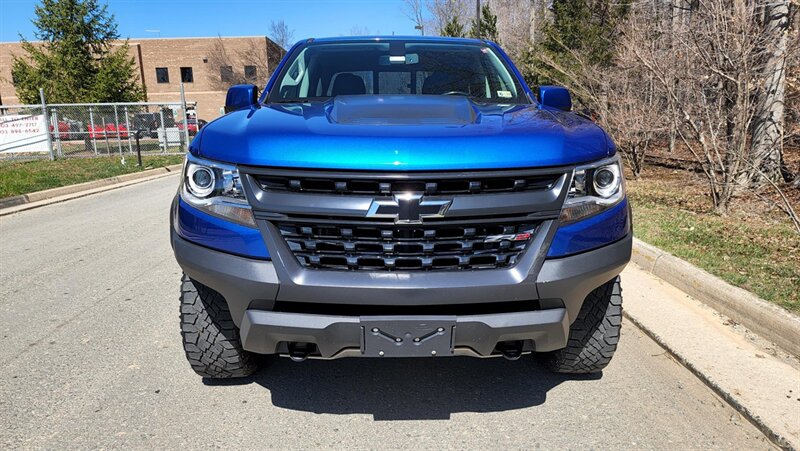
pixel 23 133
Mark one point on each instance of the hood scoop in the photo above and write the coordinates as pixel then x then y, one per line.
pixel 402 110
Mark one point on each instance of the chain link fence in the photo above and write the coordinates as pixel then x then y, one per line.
pixel 52 131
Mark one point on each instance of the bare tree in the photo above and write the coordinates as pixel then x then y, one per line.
pixel 715 59
pixel 415 10
pixel 636 115
pixel 228 66
pixel 767 141
pixel 791 139
pixel 281 34
pixel 768 125
pixel 513 24
pixel 442 11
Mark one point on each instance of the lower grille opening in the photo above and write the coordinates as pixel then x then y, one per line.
pixel 483 308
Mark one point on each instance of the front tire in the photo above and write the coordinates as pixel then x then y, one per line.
pixel 594 335
pixel 210 338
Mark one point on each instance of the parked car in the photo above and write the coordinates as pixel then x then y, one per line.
pixel 192 124
pixel 68 129
pixel 63 131
pixel 400 197
pixel 150 123
pixel 110 130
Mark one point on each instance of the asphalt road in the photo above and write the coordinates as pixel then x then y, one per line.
pixel 90 357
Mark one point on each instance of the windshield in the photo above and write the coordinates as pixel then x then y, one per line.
pixel 323 70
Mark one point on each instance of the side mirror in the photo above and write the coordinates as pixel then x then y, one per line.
pixel 240 97
pixel 555 97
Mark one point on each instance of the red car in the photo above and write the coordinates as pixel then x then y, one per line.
pixel 68 129
pixel 63 131
pixel 192 125
pixel 100 132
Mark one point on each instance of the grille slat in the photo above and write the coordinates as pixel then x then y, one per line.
pixel 473 185
pixel 407 248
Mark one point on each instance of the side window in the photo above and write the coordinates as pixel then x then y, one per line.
pixel 394 82
pixel 162 75
pixel 502 85
pixel 295 82
pixel 250 73
pixel 226 73
pixel 187 75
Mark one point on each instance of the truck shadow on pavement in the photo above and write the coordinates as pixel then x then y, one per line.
pixel 406 389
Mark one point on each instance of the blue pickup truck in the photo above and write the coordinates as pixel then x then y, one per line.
pixel 400 197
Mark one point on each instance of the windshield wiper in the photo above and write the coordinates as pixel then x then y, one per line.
pixel 301 100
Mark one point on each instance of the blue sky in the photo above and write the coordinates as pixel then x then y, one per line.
pixel 179 18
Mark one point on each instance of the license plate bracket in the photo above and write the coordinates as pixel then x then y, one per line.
pixel 408 337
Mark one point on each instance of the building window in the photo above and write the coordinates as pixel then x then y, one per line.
pixel 250 73
pixel 162 75
pixel 226 73
pixel 186 75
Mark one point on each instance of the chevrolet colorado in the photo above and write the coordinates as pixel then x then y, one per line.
pixel 400 197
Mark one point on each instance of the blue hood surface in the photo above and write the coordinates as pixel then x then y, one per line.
pixel 409 133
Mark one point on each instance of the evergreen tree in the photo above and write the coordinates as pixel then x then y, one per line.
pixel 76 60
pixel 453 29
pixel 488 26
pixel 579 27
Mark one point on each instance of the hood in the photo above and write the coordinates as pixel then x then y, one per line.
pixel 410 133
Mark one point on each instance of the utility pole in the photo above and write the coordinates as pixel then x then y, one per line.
pixel 478 17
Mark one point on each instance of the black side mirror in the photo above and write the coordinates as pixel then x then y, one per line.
pixel 240 97
pixel 555 97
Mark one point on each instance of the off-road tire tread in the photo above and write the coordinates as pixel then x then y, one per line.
pixel 210 338
pixel 594 335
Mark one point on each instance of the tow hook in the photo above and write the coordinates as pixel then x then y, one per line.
pixel 511 350
pixel 299 351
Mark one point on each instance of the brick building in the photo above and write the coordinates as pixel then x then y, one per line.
pixel 206 66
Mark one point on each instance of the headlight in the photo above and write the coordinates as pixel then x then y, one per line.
pixel 216 189
pixel 201 180
pixel 595 187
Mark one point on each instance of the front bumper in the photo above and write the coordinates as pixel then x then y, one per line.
pixel 252 288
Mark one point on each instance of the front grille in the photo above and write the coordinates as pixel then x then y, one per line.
pixel 364 221
pixel 469 184
pixel 407 247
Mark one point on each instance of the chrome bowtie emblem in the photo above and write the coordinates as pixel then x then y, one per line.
pixel 408 208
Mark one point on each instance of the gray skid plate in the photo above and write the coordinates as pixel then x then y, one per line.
pixel 390 336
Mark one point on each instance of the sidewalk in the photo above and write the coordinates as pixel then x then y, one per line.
pixel 759 380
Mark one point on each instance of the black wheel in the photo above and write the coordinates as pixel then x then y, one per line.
pixel 210 338
pixel 594 335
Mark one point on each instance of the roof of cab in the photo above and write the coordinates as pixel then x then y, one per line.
pixel 396 38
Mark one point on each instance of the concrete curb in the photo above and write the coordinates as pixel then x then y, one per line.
pixel 763 318
pixel 38 199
